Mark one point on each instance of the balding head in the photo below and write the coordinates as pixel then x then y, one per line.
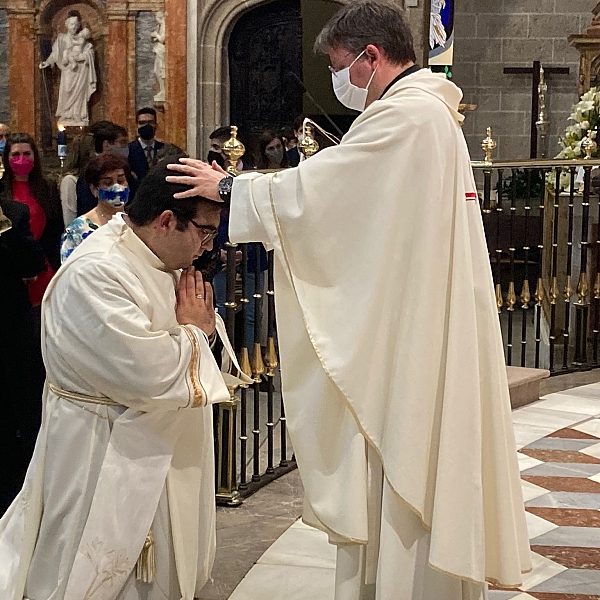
pixel 4 132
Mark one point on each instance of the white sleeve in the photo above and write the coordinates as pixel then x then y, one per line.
pixel 68 198
pixel 244 221
pixel 99 340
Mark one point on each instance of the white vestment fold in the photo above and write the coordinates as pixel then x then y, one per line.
pixel 389 337
pixel 103 475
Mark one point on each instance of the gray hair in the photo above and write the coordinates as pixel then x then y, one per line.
pixel 363 22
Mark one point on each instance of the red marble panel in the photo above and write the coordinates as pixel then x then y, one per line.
pixel 568 517
pixel 21 71
pixel 572 434
pixel 570 556
pixel 564 484
pixel 117 71
pixel 560 456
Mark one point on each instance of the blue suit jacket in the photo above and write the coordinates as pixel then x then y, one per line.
pixel 137 158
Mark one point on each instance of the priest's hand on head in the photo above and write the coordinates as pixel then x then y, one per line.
pixel 203 178
pixel 195 302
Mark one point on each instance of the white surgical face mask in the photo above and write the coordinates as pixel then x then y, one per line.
pixel 350 95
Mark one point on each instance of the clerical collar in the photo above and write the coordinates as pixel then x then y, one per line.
pixel 402 75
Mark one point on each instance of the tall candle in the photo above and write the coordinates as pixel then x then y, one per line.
pixel 61 140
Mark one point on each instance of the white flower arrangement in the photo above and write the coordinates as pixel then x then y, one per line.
pixel 585 116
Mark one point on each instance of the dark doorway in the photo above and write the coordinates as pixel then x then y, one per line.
pixel 265 63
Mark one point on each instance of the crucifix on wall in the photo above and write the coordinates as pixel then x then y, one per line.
pixel 535 107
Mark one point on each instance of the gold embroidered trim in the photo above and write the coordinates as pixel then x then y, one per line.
pixel 193 369
pixel 81 397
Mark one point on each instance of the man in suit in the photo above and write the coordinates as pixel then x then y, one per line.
pixel 142 152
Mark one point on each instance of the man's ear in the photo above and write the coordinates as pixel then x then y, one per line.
pixel 166 221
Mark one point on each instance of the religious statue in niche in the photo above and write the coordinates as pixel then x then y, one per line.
pixel 73 53
pixel 158 47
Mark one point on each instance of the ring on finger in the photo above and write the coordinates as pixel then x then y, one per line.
pixel 199 296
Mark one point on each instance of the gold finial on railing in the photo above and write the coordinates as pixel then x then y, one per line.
pixel 258 366
pixel 568 289
pixel 511 297
pixel 244 361
pixel 589 145
pixel 499 301
pixel 597 287
pixel 582 290
pixel 554 293
pixel 308 146
pixel 488 146
pixel 5 223
pixel 525 295
pixel 271 357
pixel 539 292
pixel 233 149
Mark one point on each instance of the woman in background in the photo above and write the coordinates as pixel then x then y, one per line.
pixel 107 177
pixel 272 153
pixel 24 182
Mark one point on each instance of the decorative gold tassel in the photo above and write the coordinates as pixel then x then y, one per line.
pixel 145 568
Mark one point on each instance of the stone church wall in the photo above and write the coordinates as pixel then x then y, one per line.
pixel 4 91
pixel 492 34
pixel 145 24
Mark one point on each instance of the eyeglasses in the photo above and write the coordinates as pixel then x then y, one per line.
pixel 335 71
pixel 209 234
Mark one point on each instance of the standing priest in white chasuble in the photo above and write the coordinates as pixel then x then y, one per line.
pixel 119 502
pixel 393 373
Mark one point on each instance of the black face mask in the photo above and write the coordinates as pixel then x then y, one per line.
pixel 146 132
pixel 216 156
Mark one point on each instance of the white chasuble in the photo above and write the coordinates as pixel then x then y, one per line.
pixel 393 373
pixel 105 475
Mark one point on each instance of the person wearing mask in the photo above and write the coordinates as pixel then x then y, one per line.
pixel 108 138
pixel 143 151
pixel 106 176
pixel 4 133
pixel 272 153
pixel 293 154
pixel 81 151
pixel 21 368
pixel 24 182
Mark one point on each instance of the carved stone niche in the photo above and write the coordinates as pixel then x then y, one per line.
pixel 50 21
pixel 588 46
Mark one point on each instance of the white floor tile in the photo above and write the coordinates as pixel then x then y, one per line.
pixel 284 582
pixel 526 434
pixel 592 450
pixel 544 417
pixel 572 403
pixel 543 569
pixel 302 547
pixel 531 491
pixel 537 526
pixel 526 462
pixel 590 427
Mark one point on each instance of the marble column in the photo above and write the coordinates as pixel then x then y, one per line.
pixel 21 69
pixel 176 83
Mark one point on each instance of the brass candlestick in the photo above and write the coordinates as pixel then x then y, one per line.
pixel 308 146
pixel 488 146
pixel 233 149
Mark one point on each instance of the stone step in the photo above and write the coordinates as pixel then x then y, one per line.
pixel 524 385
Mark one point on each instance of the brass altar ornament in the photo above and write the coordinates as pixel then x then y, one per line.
pixel 5 223
pixel 488 146
pixel 589 145
pixel 308 146
pixel 233 149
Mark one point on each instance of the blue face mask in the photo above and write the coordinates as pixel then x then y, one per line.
pixel 116 195
pixel 2 146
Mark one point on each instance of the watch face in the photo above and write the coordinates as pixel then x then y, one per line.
pixel 225 185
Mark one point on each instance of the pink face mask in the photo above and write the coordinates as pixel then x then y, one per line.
pixel 21 165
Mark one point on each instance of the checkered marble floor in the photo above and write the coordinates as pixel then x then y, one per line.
pixel 558 439
pixel 560 473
